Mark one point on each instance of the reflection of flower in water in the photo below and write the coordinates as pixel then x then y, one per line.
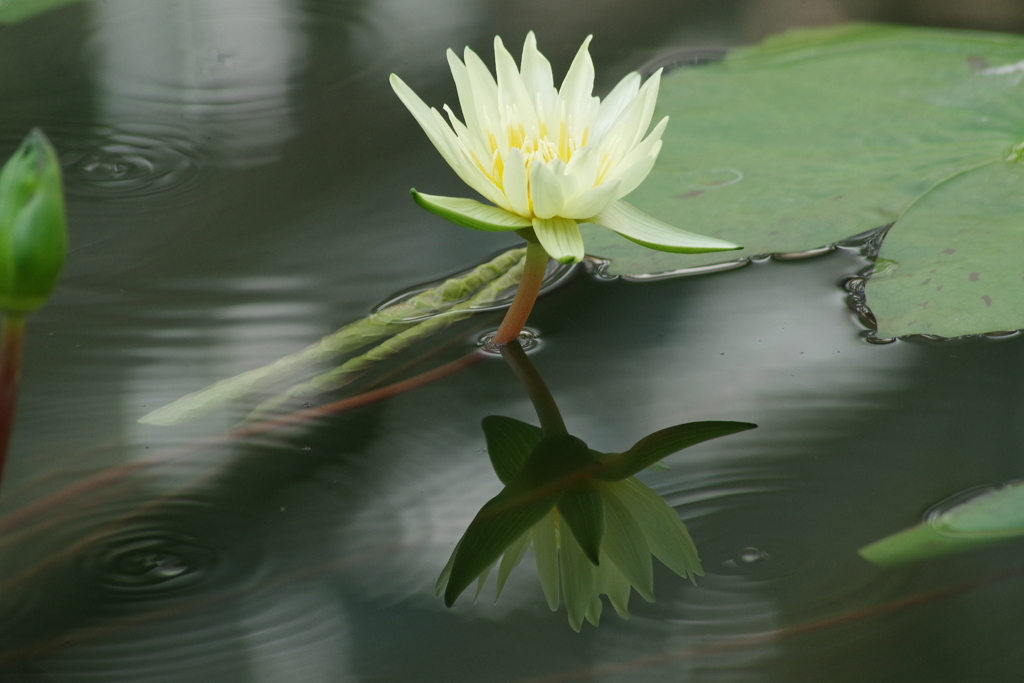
pixel 592 525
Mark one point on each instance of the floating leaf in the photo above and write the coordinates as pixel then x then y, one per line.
pixel 818 135
pixel 994 516
pixel 954 262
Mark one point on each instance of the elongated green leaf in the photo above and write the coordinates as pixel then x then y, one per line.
pixel 626 547
pixel 470 213
pixel 990 517
pixel 953 263
pixel 819 135
pixel 582 509
pixel 14 11
pixel 663 443
pixel 509 444
pixel 665 532
pixel 500 522
pixel 410 313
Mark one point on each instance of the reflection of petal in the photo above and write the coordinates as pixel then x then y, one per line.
pixel 218 70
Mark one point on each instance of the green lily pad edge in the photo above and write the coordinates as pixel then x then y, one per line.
pixel 817 135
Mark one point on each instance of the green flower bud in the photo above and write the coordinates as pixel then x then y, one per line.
pixel 33 229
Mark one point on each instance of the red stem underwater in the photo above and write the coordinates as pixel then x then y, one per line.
pixel 11 338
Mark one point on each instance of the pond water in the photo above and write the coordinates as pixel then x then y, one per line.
pixel 237 178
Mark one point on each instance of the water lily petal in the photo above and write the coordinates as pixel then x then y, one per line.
pixel 626 546
pixel 631 176
pixel 545 551
pixel 637 226
pixel 631 124
pixel 648 94
pixel 485 93
pixel 594 610
pixel 512 92
pixel 470 213
pixel 467 99
pixel 577 580
pixel 582 169
pixel 616 586
pixel 613 104
pixel 425 116
pixel 665 532
pixel 509 444
pixel 545 190
pixel 561 238
pixel 582 509
pixel 512 557
pixel 575 95
pixel 537 78
pixel 591 202
pixel 648 148
pixel 514 182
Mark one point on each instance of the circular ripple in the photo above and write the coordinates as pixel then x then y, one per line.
pixel 110 163
pixel 142 563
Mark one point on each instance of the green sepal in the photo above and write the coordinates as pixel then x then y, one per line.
pixel 470 213
pixel 663 443
pixel 500 522
pixel 509 444
pixel 583 511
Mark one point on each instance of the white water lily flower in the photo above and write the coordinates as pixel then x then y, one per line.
pixel 549 158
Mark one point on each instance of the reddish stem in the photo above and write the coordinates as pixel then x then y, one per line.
pixel 526 294
pixel 10 367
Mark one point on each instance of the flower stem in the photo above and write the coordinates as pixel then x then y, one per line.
pixel 543 402
pixel 11 337
pixel 526 294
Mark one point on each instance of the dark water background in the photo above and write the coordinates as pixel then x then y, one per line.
pixel 237 173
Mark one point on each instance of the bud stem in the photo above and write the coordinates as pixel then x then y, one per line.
pixel 11 337
pixel 526 294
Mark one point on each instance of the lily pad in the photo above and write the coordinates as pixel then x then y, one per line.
pixel 952 264
pixel 814 136
pixel 993 516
